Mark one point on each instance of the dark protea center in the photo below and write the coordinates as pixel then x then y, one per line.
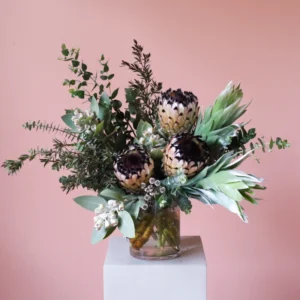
pixel 177 111
pixel 177 96
pixel 133 166
pixel 186 153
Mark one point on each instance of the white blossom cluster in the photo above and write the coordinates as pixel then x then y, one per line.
pixel 151 139
pixel 152 190
pixel 107 215
pixel 85 121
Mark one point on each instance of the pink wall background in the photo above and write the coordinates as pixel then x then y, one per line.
pixel 196 45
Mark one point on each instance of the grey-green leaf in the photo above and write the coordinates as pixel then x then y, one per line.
pixel 104 99
pixel 126 225
pixel 142 127
pixel 95 107
pixel 114 94
pixel 133 208
pixel 112 194
pixel 99 235
pixel 67 118
pixel 89 202
pixel 99 128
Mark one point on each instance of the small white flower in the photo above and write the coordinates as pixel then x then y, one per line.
pixel 98 223
pixel 114 222
pixel 141 140
pixel 96 218
pixel 96 227
pixel 162 189
pixel 80 115
pixel 144 206
pixel 183 179
pixel 87 127
pixel 99 209
pixel 163 203
pixel 76 112
pixel 112 203
pixel 103 216
pixel 157 183
pixel 121 206
pixel 149 130
pixel 147 197
pixel 94 127
pixel 152 180
pixel 143 185
pixel 106 224
pixel 88 131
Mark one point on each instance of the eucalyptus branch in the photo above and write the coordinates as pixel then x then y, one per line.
pixel 39 125
pixel 278 142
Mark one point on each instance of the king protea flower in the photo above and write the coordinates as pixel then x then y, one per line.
pixel 177 111
pixel 133 167
pixel 186 154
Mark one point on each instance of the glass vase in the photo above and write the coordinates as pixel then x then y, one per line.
pixel 157 234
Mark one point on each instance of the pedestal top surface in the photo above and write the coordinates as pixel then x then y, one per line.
pixel 192 253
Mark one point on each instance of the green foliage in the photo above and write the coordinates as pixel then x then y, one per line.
pixel 13 166
pixel 67 118
pixel 88 155
pixel 126 224
pixel 216 125
pixel 99 235
pixel 90 162
pixel 221 184
pixel 142 128
pixel 92 166
pixel 184 203
pixel 278 142
pixel 90 202
pixel 39 125
pixel 142 96
pixel 242 137
pixel 113 193
pixel 132 207
pixel 86 83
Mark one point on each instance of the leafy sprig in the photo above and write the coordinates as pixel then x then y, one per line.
pixel 278 142
pixel 142 95
pixel 87 83
pixel 50 127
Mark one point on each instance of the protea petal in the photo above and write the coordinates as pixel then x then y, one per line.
pixel 185 153
pixel 133 167
pixel 177 111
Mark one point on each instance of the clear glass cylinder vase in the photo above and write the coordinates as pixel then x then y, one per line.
pixel 157 234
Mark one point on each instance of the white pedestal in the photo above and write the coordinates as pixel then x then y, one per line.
pixel 128 278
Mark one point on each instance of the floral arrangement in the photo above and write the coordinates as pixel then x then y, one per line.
pixel 158 153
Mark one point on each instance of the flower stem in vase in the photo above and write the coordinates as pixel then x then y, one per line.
pixel 144 230
pixel 167 230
